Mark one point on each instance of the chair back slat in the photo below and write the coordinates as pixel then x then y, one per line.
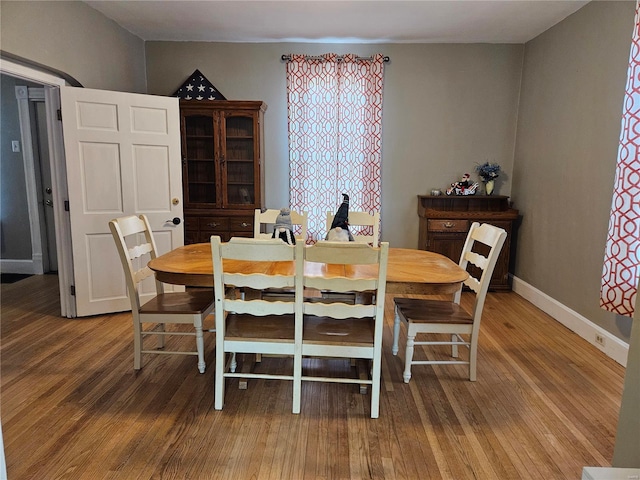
pixel 337 284
pixel 259 307
pixel 347 253
pixel 476 259
pixel 339 310
pixel 140 250
pixel 131 225
pixel 140 275
pixel 257 249
pixel 267 219
pixel 486 233
pixel 473 283
pixel 370 221
pixel 494 238
pixel 259 281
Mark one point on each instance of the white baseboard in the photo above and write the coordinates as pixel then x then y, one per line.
pixel 17 266
pixel 613 347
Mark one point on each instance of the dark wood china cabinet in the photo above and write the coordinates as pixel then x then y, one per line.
pixel 222 167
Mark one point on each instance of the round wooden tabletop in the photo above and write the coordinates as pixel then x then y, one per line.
pixel 408 270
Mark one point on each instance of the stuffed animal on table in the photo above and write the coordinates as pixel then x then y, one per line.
pixel 339 231
pixel 283 228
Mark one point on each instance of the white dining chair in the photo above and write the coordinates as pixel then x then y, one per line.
pixel 136 246
pixel 250 325
pixel 426 316
pixel 364 226
pixel 334 329
pixel 264 222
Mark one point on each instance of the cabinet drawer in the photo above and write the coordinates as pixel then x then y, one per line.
pixel 448 225
pixel 214 224
pixel 241 224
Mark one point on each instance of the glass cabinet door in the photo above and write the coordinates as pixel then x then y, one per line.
pixel 199 165
pixel 239 159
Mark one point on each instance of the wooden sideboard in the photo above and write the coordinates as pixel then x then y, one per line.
pixel 445 222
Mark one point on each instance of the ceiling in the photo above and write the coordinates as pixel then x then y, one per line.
pixel 326 21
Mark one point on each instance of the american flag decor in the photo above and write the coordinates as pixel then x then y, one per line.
pixel 197 87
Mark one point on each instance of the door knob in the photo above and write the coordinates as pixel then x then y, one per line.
pixel 48 190
pixel 175 221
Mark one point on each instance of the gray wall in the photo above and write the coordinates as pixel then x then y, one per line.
pixel 15 234
pixel 76 39
pixel 573 85
pixel 446 107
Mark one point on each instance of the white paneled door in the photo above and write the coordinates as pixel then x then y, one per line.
pixel 123 158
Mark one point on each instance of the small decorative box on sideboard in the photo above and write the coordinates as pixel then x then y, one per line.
pixel 445 222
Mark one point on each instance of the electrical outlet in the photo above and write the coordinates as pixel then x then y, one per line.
pixel 599 340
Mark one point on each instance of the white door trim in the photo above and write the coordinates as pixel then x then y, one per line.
pixel 27 73
pixel 24 117
pixel 58 172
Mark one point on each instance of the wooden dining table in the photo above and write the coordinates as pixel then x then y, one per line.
pixel 409 271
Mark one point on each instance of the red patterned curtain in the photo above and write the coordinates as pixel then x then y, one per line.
pixel 335 135
pixel 621 262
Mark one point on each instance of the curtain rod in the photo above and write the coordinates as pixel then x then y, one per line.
pixel 287 58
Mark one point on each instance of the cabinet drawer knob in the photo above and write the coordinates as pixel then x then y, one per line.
pixel 212 225
pixel 448 224
pixel 244 224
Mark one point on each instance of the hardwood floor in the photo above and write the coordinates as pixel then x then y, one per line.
pixel 545 404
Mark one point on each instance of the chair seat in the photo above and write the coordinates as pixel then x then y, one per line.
pixel 418 310
pixel 331 331
pixel 192 301
pixel 268 328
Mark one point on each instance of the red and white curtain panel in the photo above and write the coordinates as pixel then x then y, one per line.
pixel 621 262
pixel 335 135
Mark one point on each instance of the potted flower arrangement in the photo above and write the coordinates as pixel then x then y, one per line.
pixel 488 172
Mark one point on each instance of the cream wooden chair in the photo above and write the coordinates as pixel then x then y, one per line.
pixel 264 222
pixel 251 325
pixel 134 240
pixel 337 329
pixel 371 222
pixel 263 228
pixel 448 317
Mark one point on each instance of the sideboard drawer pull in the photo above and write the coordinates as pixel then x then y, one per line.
pixel 448 225
pixel 213 225
pixel 245 224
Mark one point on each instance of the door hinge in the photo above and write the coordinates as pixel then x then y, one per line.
pixel 73 290
pixel 66 205
pixel 59 114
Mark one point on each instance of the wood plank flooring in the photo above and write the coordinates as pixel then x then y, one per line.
pixel 545 404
